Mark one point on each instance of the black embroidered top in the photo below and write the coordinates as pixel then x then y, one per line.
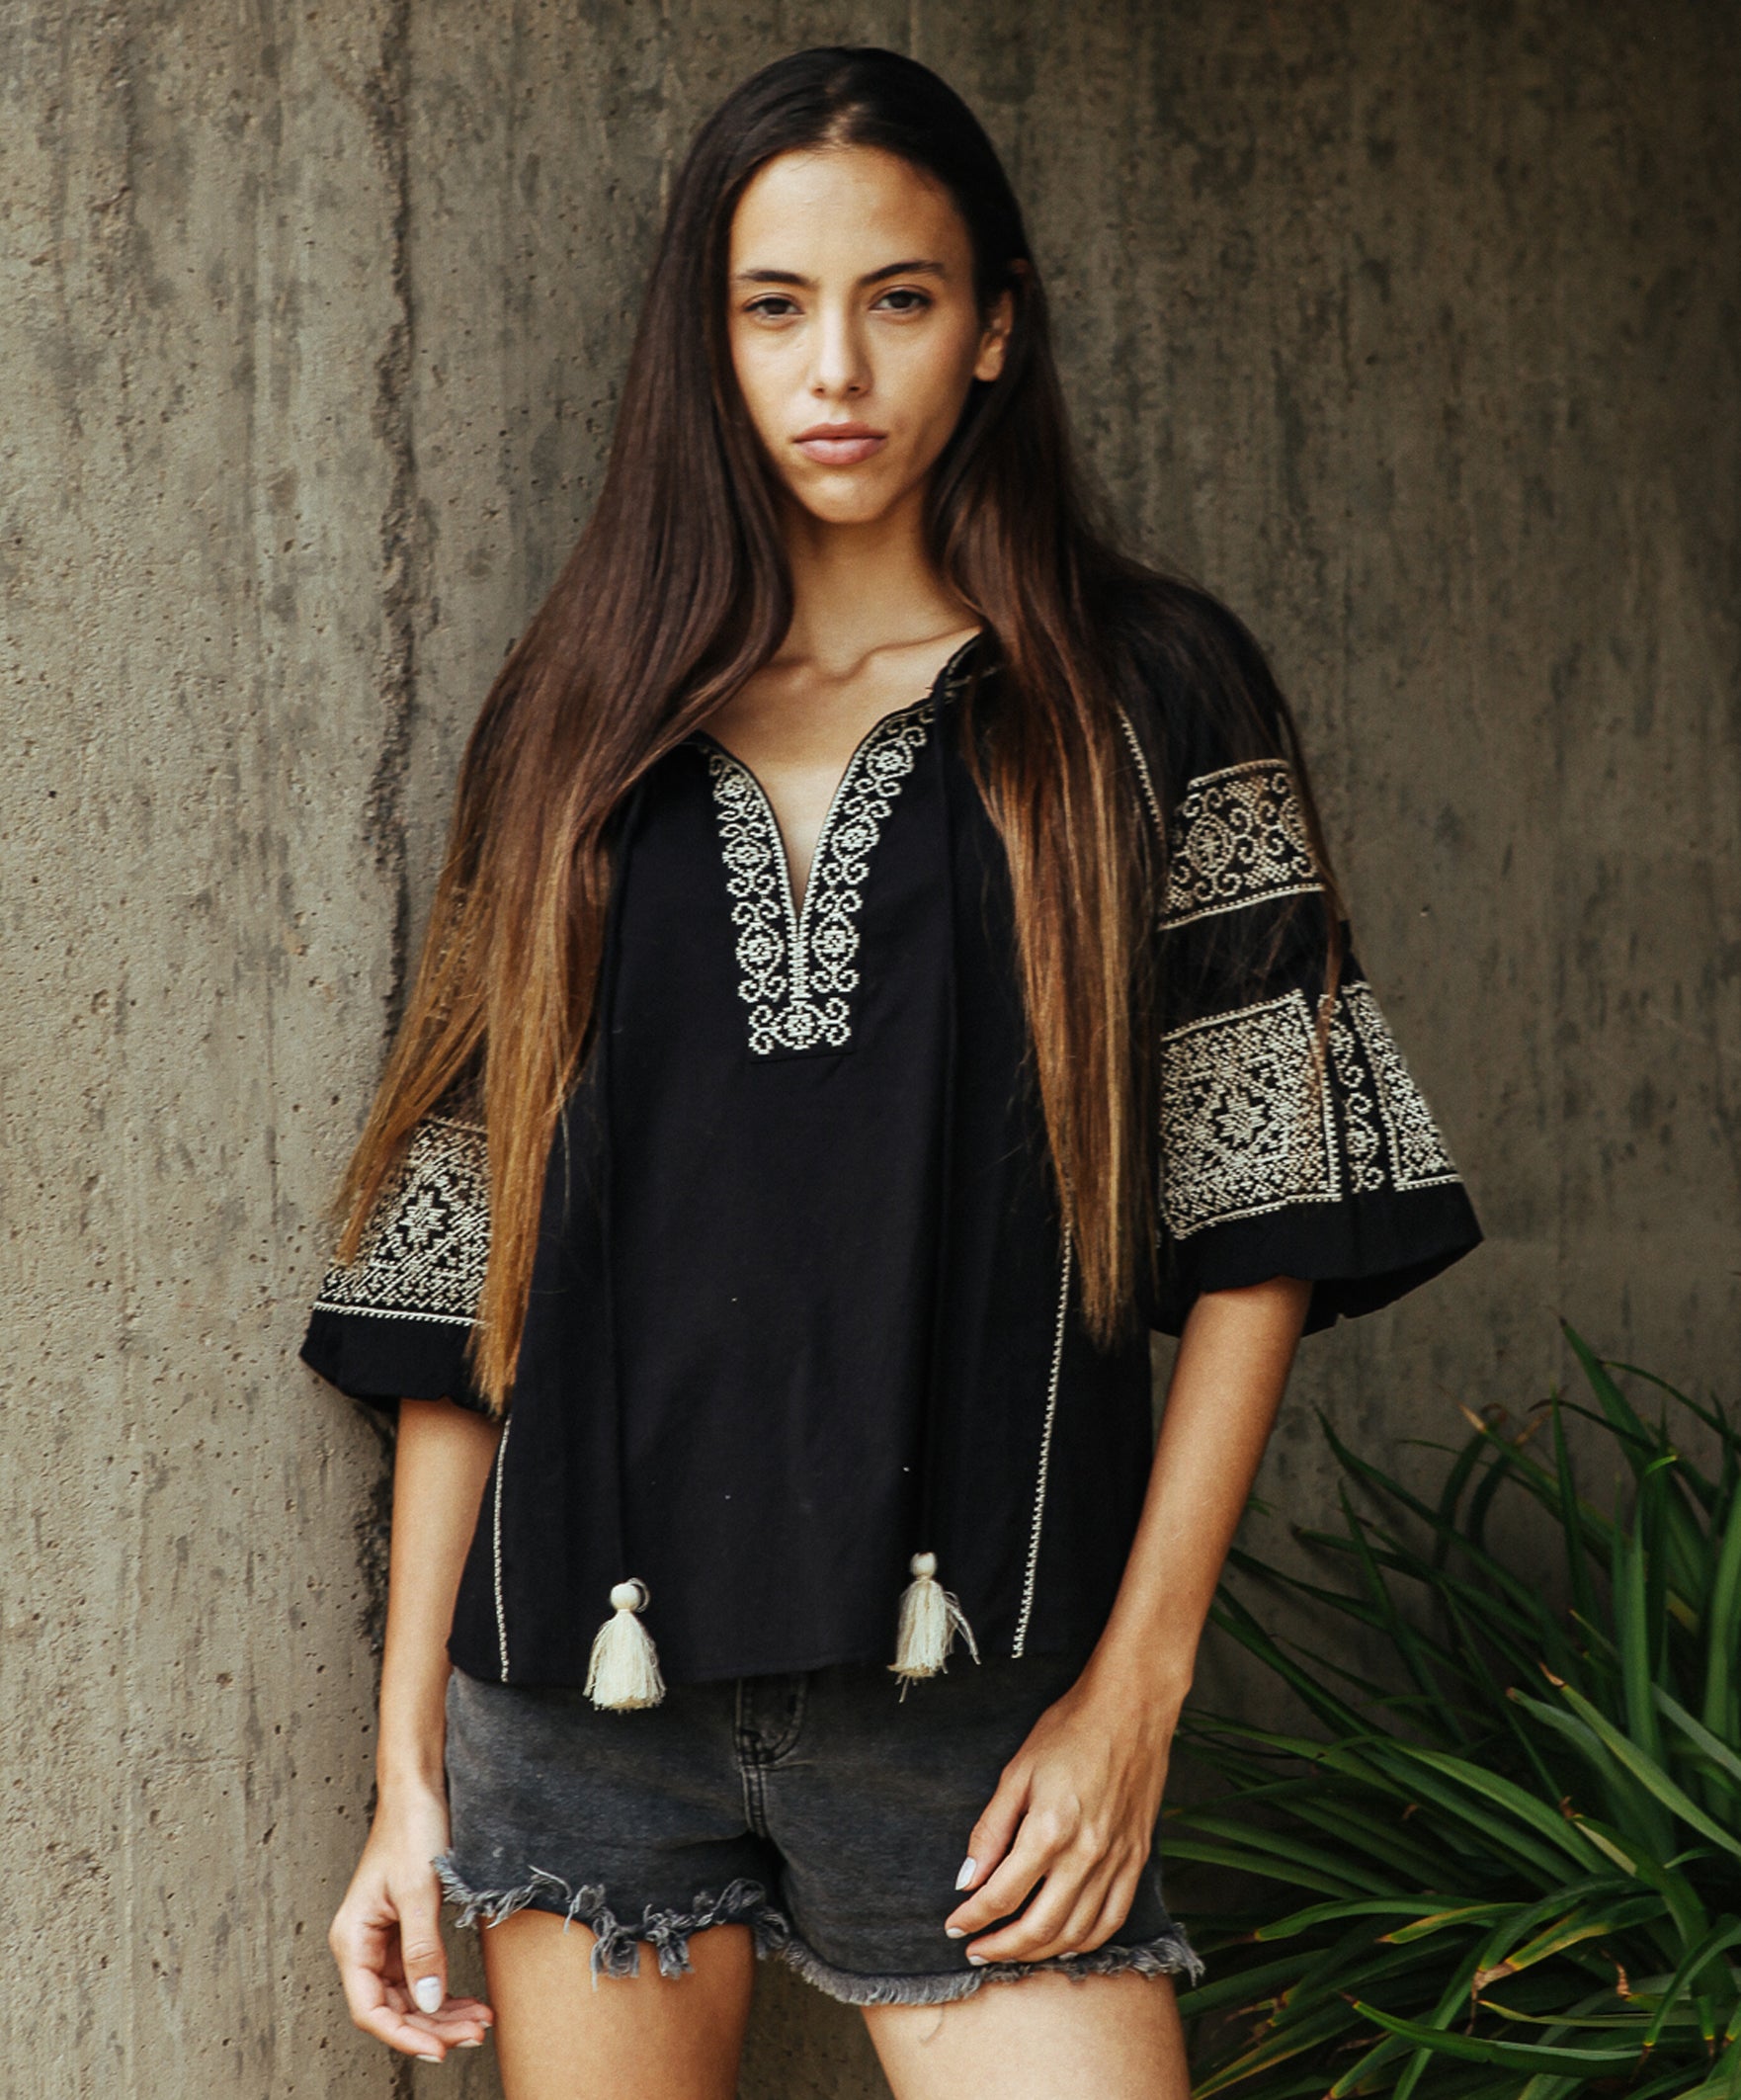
pixel 802 1304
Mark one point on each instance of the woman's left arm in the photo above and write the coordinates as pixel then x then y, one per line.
pixel 1076 1805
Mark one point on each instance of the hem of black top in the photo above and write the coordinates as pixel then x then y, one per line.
pixel 1359 1257
pixel 382 1362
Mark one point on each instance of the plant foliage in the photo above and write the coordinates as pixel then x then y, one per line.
pixel 1510 1868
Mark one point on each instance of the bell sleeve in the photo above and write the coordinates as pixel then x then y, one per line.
pixel 394 1324
pixel 1277 1158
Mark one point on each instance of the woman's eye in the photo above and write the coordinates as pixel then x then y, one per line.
pixel 909 300
pixel 774 307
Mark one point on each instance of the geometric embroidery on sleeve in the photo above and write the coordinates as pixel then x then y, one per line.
pixel 1245 1126
pixel 1240 838
pixel 424 1251
pixel 1418 1156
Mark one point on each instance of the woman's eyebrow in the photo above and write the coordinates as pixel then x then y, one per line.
pixel 915 268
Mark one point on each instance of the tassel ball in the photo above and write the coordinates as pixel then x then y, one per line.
pixel 623 1672
pixel 929 1619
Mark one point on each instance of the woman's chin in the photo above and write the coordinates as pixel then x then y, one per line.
pixel 851 495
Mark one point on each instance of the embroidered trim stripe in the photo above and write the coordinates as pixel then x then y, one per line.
pixel 496 1549
pixel 798 969
pixel 1418 1156
pixel 1147 778
pixel 1241 840
pixel 1046 1448
pixel 424 1251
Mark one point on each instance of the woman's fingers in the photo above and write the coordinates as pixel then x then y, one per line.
pixel 1071 1893
pixel 1085 1898
pixel 386 1941
pixel 1115 1910
pixel 380 2007
pixel 995 1832
pixel 1038 1843
pixel 423 1959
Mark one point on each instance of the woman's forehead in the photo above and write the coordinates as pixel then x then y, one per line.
pixel 856 209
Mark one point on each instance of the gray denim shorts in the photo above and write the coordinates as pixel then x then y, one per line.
pixel 819 1808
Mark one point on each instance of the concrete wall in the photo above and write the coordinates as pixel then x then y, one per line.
pixel 1412 330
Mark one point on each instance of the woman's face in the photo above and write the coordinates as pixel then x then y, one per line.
pixel 854 332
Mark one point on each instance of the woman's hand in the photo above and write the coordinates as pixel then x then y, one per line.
pixel 1075 1806
pixel 386 1937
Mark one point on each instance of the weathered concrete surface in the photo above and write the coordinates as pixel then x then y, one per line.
pixel 1412 331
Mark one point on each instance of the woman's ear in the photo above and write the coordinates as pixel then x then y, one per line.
pixel 994 340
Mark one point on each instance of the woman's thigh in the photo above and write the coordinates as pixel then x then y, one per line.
pixel 558 2036
pixel 1041 2038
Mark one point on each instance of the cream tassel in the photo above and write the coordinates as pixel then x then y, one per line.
pixel 625 1667
pixel 929 1619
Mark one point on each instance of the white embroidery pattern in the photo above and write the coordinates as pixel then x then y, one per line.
pixel 1360 1120
pixel 1418 1156
pixel 1245 1126
pixel 1240 840
pixel 798 967
pixel 1032 1570
pixel 424 1251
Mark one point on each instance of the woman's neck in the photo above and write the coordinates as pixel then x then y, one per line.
pixel 856 588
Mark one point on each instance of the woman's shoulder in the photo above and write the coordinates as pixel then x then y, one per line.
pixel 1191 677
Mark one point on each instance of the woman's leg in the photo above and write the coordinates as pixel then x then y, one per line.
pixel 1044 2036
pixel 645 2037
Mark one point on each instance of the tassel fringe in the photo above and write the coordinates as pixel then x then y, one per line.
pixel 623 1672
pixel 929 1619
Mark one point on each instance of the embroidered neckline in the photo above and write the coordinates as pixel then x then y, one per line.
pixel 797 963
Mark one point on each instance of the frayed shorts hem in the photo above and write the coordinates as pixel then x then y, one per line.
pixel 1169 1955
pixel 616 1945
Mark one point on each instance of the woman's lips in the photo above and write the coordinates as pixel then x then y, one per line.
pixel 845 447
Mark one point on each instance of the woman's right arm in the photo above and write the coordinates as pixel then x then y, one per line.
pixel 386 1936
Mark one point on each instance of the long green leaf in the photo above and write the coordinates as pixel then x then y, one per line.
pixel 1700 1735
pixel 1722 1614
pixel 1726 1933
pixel 1650 1773
pixel 1514 2056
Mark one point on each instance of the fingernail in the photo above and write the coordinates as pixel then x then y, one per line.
pixel 956 1932
pixel 422 2058
pixel 967 1873
pixel 475 2042
pixel 978 1959
pixel 427 1994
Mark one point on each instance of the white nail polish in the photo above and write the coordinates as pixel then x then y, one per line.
pixel 978 1959
pixel 955 1932
pixel 426 1993
pixel 967 1873
pixel 422 2058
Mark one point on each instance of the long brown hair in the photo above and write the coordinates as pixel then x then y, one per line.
pixel 679 591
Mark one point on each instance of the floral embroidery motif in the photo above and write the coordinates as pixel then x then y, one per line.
pixel 1418 1156
pixel 1240 840
pixel 424 1251
pixel 798 969
pixel 1248 1127
pixel 1245 1129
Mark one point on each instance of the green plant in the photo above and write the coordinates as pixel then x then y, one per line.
pixel 1510 1868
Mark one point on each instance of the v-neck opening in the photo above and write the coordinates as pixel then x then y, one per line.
pixel 797 907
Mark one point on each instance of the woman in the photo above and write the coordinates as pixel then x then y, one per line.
pixel 885 964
